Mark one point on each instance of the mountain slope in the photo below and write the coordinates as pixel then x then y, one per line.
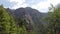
pixel 32 16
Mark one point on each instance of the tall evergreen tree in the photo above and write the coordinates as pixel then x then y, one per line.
pixel 4 21
pixel 7 23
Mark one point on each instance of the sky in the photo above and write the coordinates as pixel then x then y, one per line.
pixel 41 5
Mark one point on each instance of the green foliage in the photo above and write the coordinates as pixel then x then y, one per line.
pixel 13 26
pixel 53 20
pixel 8 24
pixel 4 21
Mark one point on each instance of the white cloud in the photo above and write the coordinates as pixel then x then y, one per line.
pixel 17 1
pixel 43 6
pixel 18 4
pixel 54 2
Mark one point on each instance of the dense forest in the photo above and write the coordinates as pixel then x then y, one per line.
pixel 29 21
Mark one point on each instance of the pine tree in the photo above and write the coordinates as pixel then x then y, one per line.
pixel 13 26
pixel 7 23
pixel 4 21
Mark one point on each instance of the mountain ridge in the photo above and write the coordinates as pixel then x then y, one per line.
pixel 32 16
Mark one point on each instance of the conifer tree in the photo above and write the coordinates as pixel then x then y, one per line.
pixel 13 26
pixel 4 21
pixel 7 23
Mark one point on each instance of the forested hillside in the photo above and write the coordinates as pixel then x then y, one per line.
pixel 9 25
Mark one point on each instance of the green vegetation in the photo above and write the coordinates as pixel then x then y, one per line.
pixel 53 20
pixel 8 24
pixel 11 25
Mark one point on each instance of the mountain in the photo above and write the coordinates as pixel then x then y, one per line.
pixel 32 16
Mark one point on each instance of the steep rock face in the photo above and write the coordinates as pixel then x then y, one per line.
pixel 32 17
pixel 34 14
pixel 29 13
pixel 21 12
